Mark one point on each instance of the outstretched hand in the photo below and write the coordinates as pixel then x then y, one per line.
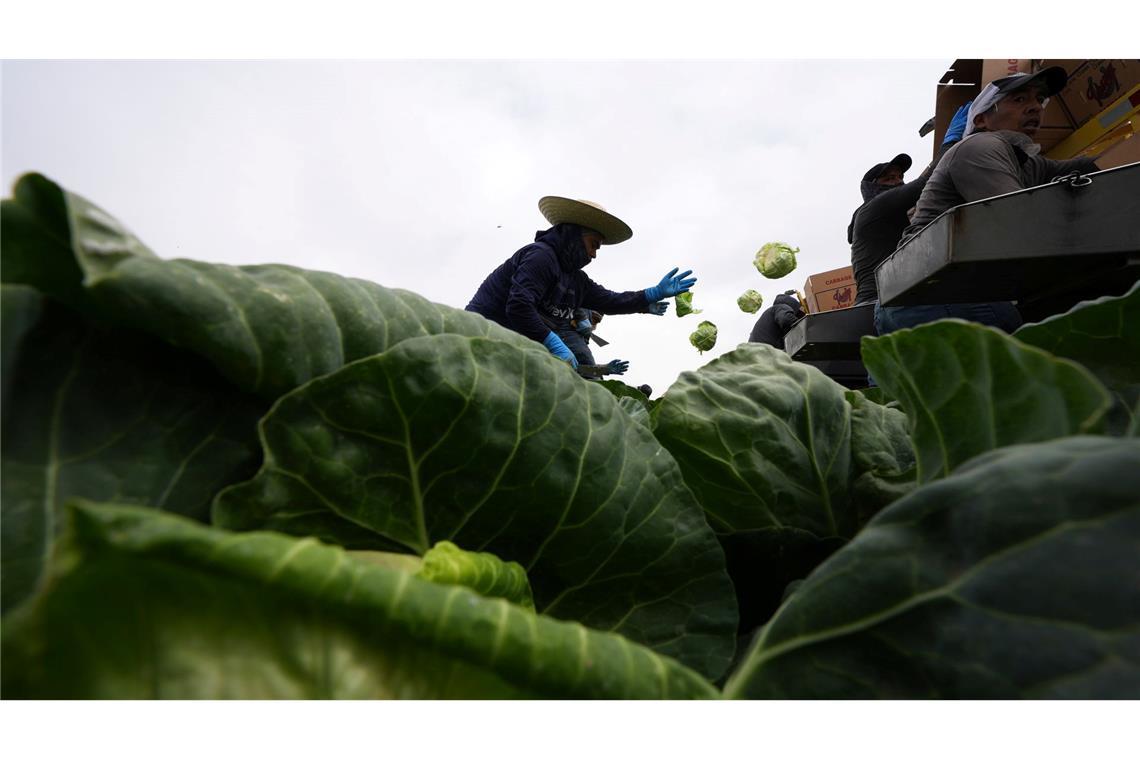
pixel 671 285
pixel 617 367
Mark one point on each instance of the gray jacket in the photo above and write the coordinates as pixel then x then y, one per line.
pixel 984 165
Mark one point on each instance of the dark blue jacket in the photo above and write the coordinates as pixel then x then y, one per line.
pixel 539 287
pixel 775 321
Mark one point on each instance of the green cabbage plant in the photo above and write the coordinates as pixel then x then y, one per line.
pixel 704 337
pixel 776 260
pixel 266 482
pixel 685 304
pixel 750 301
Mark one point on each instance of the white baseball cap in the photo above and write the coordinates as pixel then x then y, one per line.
pixel 1051 81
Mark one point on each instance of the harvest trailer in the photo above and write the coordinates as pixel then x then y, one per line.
pixel 1047 247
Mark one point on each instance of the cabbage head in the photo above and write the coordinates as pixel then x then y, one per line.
pixel 776 260
pixel 704 338
pixel 685 304
pixel 750 301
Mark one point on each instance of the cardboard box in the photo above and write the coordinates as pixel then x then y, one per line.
pixel 830 290
pixel 963 81
pixel 1094 85
pixel 996 68
pixel 965 78
pixel 958 85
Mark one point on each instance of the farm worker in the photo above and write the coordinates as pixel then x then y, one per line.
pixel 775 321
pixel 576 335
pixel 872 221
pixel 536 290
pixel 996 156
pixel 877 225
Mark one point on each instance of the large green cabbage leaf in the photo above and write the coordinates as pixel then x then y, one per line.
pixel 882 455
pixel 1017 576
pixel 142 605
pixel 766 444
pixel 499 449
pixel 266 328
pixel 20 308
pixel 967 389
pixel 763 441
pixel 1104 336
pixel 106 414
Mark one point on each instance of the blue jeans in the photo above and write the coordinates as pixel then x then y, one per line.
pixel 578 345
pixel 1000 314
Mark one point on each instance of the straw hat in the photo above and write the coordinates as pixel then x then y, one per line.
pixel 587 214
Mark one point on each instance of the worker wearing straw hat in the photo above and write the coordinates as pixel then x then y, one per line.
pixel 536 290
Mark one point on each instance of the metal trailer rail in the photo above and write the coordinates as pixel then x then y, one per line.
pixel 1075 238
pixel 829 341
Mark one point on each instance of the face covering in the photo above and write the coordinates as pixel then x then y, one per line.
pixel 566 240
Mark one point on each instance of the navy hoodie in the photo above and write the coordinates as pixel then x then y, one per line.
pixel 775 321
pixel 539 287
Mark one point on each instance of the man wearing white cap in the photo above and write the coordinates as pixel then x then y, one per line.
pixel 536 291
pixel 996 156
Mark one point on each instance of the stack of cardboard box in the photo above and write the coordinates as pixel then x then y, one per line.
pixel 1097 110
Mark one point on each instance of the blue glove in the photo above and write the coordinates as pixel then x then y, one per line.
pixel 585 327
pixel 617 367
pixel 555 346
pixel 957 126
pixel 670 285
pixel 658 307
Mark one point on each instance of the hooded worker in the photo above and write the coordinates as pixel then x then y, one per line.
pixel 536 291
pixel 775 321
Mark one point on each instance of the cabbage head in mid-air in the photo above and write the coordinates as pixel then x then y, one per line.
pixel 685 304
pixel 704 337
pixel 776 260
pixel 750 301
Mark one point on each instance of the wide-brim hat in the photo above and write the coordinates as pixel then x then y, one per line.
pixel 586 214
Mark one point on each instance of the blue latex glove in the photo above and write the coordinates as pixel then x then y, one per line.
pixel 957 126
pixel 585 327
pixel 555 346
pixel 617 367
pixel 658 307
pixel 670 285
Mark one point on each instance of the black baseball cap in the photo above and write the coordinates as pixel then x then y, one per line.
pixel 1051 81
pixel 902 161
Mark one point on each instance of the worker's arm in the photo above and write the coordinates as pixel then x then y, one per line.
pixel 985 166
pixel 608 302
pixel 1054 168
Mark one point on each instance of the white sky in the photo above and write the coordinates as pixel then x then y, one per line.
pixel 425 174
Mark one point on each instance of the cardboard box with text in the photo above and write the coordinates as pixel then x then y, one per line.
pixel 830 290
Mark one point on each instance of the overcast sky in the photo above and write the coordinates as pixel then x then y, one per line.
pixel 425 175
